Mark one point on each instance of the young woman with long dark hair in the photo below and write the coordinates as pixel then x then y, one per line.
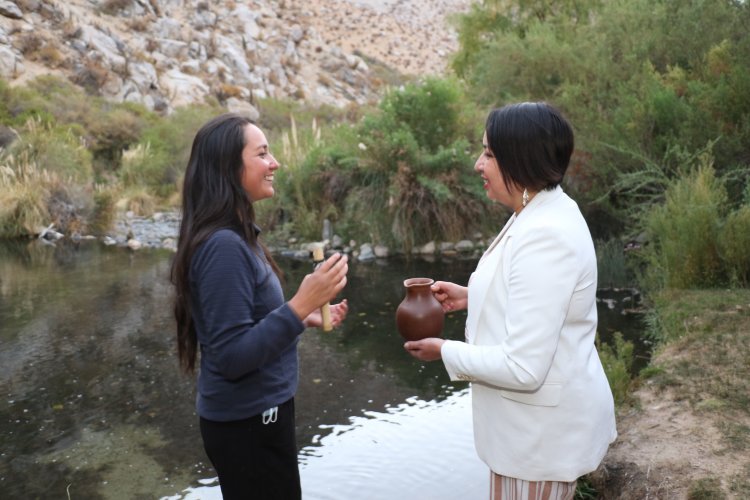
pixel 230 307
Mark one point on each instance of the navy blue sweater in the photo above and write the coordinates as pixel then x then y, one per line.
pixel 247 333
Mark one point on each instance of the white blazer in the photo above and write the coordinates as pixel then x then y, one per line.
pixel 542 406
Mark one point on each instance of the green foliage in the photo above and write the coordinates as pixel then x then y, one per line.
pixel 141 167
pixel 400 176
pixel 683 232
pixel 585 490
pixel 161 154
pixel 636 79
pixel 612 265
pixel 734 245
pixel 302 195
pixel 55 148
pixel 414 161
pixel 103 212
pixel 617 361
pixel 113 130
pixel 431 111
pixel 24 195
pixel 706 489
pixel 105 128
pixel 276 115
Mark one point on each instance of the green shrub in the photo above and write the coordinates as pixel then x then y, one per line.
pixel 169 141
pixel 648 85
pixel 144 167
pixel 103 211
pixel 24 195
pixel 734 243
pixel 276 115
pixel 683 232
pixel 611 263
pixel 414 165
pixel 112 131
pixel 431 111
pixel 617 361
pixel 58 149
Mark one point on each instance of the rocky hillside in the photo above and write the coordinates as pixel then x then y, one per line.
pixel 167 53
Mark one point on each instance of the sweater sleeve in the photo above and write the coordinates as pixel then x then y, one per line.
pixel 242 319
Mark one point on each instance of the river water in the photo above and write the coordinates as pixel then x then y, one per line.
pixel 93 405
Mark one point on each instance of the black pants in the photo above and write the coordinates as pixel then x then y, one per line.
pixel 255 460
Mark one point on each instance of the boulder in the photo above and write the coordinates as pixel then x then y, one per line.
pixel 182 89
pixel 10 9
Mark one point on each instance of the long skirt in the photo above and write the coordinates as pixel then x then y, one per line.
pixel 510 488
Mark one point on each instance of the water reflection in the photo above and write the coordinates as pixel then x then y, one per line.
pixel 94 404
pixel 391 455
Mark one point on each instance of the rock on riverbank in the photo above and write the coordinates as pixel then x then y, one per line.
pixel 162 230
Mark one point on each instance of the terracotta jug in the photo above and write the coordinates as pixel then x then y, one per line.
pixel 419 315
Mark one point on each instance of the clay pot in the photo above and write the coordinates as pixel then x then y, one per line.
pixel 419 315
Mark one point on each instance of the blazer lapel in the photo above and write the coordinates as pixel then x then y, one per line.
pixel 481 279
pixel 488 265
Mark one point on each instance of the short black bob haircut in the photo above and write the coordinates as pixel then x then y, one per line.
pixel 532 143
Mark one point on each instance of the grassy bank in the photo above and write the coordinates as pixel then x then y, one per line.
pixel 687 433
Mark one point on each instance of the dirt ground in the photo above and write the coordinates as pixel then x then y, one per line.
pixel 680 439
pixel 663 448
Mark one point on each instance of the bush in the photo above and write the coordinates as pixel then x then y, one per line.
pixel 168 142
pixel 612 265
pixel 414 164
pixel 138 200
pixel 58 149
pixel 24 194
pixel 734 244
pixel 431 111
pixel 647 86
pixel 683 232
pixel 617 361
pixel 112 130
pixel 103 212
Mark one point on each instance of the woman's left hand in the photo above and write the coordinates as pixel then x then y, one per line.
pixel 338 314
pixel 425 349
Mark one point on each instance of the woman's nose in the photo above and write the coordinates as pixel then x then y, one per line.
pixel 479 164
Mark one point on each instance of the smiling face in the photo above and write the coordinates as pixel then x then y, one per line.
pixel 258 165
pixel 494 184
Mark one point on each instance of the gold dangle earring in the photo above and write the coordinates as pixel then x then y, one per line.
pixel 525 197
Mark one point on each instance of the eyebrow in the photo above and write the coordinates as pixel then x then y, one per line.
pixel 262 147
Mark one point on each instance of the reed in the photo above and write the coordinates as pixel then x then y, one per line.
pixel 24 195
pixel 612 264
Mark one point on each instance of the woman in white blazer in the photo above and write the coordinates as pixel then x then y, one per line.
pixel 542 407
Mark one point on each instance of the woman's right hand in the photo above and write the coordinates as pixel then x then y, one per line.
pixel 451 296
pixel 320 286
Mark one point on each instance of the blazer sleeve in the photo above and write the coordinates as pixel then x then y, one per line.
pixel 540 269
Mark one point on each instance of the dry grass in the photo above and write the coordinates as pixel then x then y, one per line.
pixel 24 194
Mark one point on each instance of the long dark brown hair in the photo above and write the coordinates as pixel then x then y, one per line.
pixel 212 199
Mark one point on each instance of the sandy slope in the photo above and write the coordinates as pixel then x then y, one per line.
pixel 412 36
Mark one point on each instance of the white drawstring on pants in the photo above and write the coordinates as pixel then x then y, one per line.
pixel 269 416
